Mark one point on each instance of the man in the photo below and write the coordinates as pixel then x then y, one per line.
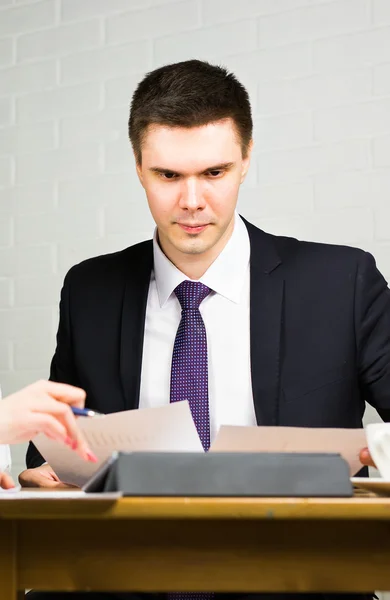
pixel 251 328
pixel 43 407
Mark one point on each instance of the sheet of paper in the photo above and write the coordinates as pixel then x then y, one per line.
pixel 347 442
pixel 168 428
pixel 38 494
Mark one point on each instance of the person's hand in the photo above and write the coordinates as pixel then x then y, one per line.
pixel 6 481
pixel 42 476
pixel 44 407
pixel 366 459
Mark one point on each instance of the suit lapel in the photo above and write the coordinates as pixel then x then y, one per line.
pixel 266 311
pixel 138 272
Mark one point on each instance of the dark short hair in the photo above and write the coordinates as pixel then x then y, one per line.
pixel 191 93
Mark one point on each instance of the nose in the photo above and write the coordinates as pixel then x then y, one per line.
pixel 191 197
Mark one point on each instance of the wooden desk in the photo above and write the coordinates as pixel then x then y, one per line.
pixel 194 544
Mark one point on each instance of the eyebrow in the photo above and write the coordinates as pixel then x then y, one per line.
pixel 220 167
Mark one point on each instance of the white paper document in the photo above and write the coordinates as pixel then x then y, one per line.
pixel 171 429
pixel 165 429
pixel 39 494
pixel 347 442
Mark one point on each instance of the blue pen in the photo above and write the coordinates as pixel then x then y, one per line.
pixel 85 412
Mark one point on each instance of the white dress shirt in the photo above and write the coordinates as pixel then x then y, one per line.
pixel 225 312
pixel 5 458
pixel 5 455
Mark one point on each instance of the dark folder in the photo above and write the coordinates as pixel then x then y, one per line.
pixel 224 474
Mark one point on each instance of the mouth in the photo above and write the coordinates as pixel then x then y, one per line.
pixel 192 228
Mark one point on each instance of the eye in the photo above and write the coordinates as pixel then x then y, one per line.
pixel 168 175
pixel 215 173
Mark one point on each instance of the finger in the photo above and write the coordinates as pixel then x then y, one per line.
pixel 56 418
pixel 41 482
pixel 34 478
pixel 63 392
pixel 49 425
pixel 6 481
pixel 366 458
pixel 61 424
pixel 67 486
pixel 69 421
pixel 63 414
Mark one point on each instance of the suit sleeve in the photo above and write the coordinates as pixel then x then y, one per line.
pixel 372 321
pixel 62 367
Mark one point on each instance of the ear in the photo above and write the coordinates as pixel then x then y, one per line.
pixel 246 161
pixel 138 168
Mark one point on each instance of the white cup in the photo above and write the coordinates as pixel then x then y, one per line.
pixel 378 442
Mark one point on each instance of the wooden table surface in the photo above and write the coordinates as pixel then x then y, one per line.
pixel 195 544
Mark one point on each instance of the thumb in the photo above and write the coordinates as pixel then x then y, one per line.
pixel 365 458
pixel 6 481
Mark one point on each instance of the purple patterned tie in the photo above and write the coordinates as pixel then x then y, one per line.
pixel 189 375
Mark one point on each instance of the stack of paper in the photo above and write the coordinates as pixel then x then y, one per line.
pixel 347 442
pixel 171 429
pixel 167 429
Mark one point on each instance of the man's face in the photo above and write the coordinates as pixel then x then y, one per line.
pixel 191 177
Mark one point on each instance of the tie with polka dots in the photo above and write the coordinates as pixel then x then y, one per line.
pixel 189 375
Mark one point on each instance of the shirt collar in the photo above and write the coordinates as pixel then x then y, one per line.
pixel 225 276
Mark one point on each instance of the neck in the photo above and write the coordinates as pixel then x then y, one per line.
pixel 194 266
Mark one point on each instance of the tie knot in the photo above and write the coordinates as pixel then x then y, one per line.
pixel 191 293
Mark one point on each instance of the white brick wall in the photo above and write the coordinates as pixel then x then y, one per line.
pixel 6 112
pixel 33 16
pixel 368 47
pixel 381 154
pixel 314 22
pixel 159 21
pixel 207 42
pixel 106 62
pixel 318 72
pixel 57 42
